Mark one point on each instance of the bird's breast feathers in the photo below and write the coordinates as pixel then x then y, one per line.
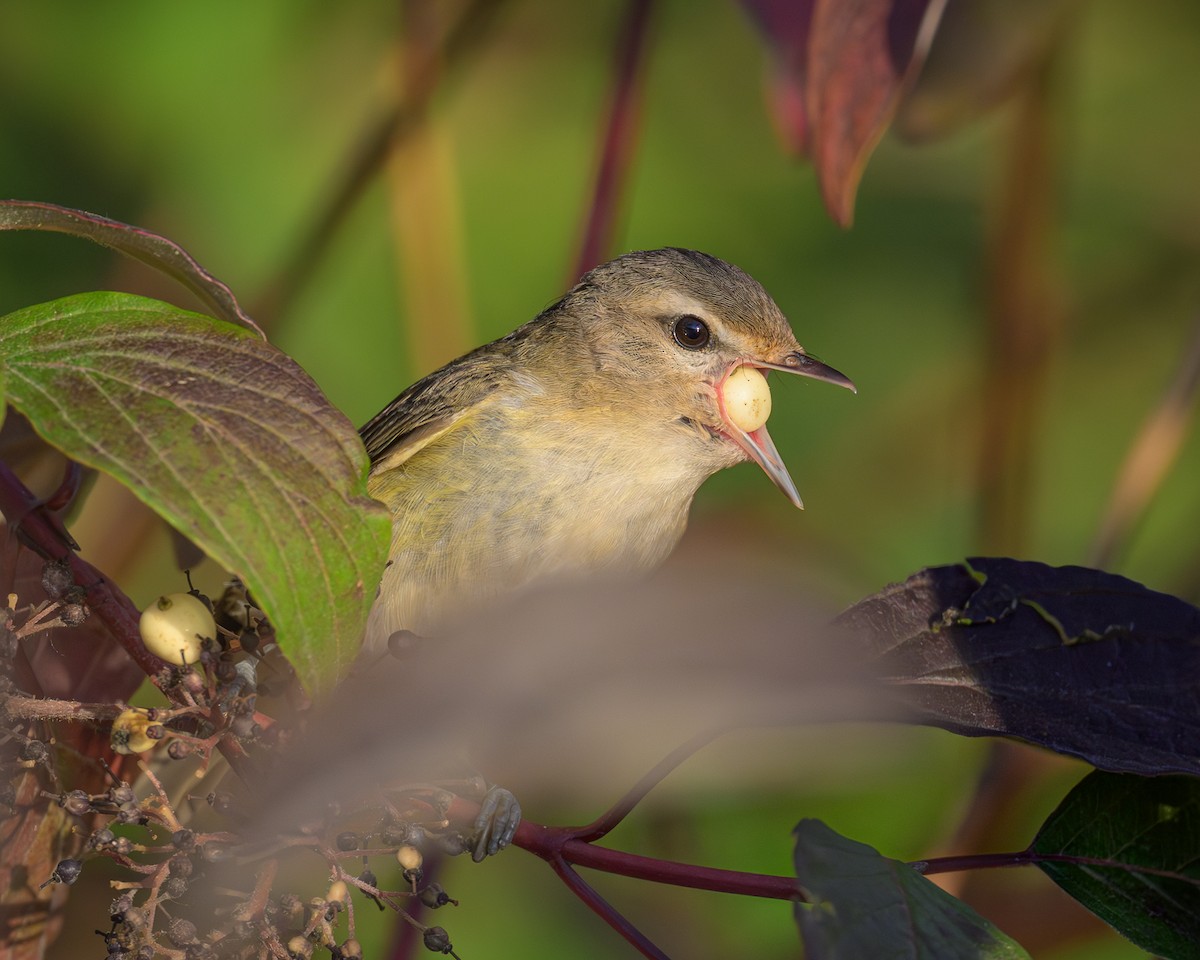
pixel 485 504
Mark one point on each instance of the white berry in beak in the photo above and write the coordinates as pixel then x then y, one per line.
pixel 745 403
pixel 747 398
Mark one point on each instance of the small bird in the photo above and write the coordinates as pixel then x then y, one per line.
pixel 576 443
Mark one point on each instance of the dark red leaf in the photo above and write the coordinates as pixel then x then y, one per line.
pixel 785 26
pixel 861 56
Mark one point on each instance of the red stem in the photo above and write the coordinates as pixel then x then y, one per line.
pixel 606 911
pixel 564 844
pixel 1023 858
pixel 584 854
pixel 607 821
pixel 975 861
pixel 42 531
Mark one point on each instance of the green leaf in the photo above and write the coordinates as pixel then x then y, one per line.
pixel 1128 849
pixel 227 439
pixel 864 905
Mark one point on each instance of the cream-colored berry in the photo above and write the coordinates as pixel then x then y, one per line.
pixel 746 398
pixel 174 628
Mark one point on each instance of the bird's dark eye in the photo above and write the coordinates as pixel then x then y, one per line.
pixel 691 332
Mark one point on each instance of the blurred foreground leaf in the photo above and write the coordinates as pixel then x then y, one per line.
pixel 1080 661
pixel 227 439
pixel 1134 849
pixel 864 905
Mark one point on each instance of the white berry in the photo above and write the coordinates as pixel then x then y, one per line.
pixel 175 626
pixel 746 398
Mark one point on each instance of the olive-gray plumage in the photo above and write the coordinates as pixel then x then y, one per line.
pixel 577 442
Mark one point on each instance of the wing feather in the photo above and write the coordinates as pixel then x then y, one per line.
pixel 428 409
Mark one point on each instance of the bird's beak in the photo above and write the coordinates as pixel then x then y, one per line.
pixel 758 443
pixel 804 365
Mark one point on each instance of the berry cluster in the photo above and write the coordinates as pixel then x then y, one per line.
pixel 200 876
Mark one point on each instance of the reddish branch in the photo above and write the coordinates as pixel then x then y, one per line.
pixel 565 848
pixel 38 528
pixel 1026 858
pixel 42 531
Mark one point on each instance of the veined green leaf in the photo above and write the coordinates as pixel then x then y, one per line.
pixel 1128 849
pixel 227 439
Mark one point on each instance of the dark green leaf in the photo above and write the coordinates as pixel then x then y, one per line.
pixel 225 437
pixel 864 905
pixel 1080 661
pixel 1128 849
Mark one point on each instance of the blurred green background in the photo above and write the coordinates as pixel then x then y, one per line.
pixel 227 126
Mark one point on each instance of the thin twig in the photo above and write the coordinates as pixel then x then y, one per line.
pixel 372 150
pixel 1151 454
pixel 608 820
pixel 1024 317
pixel 606 911
pixel 35 708
pixel 42 531
pixel 1022 334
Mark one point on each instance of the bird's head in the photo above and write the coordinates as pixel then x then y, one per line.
pixel 688 339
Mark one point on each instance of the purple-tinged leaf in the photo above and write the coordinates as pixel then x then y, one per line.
pixel 1083 662
pixel 862 55
pixel 840 68
pixel 150 248
pixel 785 26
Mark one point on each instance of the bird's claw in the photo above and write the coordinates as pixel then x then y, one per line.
pixel 499 817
